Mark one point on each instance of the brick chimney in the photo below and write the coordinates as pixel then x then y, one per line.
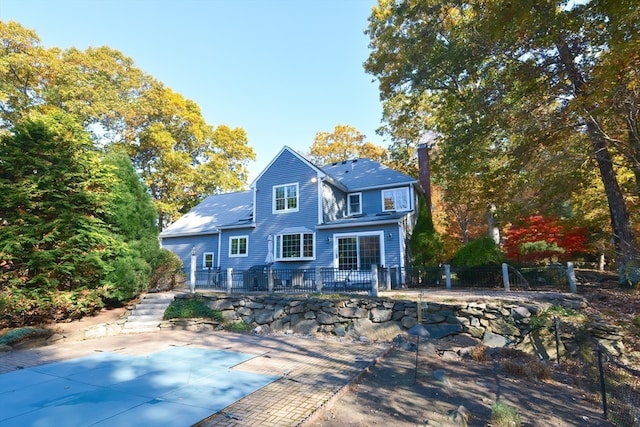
pixel 424 174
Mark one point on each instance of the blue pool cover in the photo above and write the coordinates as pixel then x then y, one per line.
pixel 176 387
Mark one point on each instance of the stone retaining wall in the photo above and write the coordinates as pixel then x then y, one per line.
pixel 363 318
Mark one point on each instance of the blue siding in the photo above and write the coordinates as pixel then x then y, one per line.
pixel 182 246
pixel 334 204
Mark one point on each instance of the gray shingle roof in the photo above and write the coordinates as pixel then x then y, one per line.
pixel 214 212
pixel 360 174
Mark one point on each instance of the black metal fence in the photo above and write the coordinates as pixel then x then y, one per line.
pixel 263 278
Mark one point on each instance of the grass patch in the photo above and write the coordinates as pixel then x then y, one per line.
pixel 236 326
pixel 189 308
pixel 503 415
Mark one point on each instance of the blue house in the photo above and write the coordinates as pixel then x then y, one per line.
pixel 296 216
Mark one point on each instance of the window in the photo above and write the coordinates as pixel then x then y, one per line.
pixel 295 246
pixel 238 246
pixel 354 205
pixel 359 252
pixel 207 260
pixel 285 198
pixel 396 199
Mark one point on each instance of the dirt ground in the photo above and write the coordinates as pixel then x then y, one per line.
pixel 450 391
pixel 456 393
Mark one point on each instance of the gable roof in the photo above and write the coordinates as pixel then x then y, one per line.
pixel 214 213
pixel 296 154
pixel 364 174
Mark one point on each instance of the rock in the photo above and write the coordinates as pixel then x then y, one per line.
pixel 263 316
pixel 434 318
pixel 220 304
pixel 305 327
pixel 380 315
pixel 339 330
pixel 450 356
pixel 326 319
pixel 407 322
pixel 520 312
pixel 493 340
pixel 376 331
pixel 476 331
pixel 229 315
pixel 503 327
pixel 441 330
pixel 353 312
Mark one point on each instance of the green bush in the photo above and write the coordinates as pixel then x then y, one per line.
pixel 479 252
pixel 503 415
pixel 166 267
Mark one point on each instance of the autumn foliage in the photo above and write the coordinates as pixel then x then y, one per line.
pixel 537 239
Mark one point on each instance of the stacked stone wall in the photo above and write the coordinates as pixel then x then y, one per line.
pixel 494 324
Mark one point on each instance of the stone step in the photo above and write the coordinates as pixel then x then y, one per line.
pixel 139 317
pixel 161 297
pixel 155 301
pixel 147 314
pixel 147 310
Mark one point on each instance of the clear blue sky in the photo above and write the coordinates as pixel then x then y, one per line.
pixel 283 70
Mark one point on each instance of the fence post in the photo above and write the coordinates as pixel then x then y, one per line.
pixel 387 276
pixel 505 277
pixel 603 388
pixel 374 281
pixel 319 279
pixel 571 276
pixel 270 280
pixel 192 278
pixel 229 280
pixel 447 276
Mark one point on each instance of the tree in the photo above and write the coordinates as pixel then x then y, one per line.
pixel 181 158
pixel 345 142
pixel 512 81
pixel 53 234
pixel 537 239
pixel 426 245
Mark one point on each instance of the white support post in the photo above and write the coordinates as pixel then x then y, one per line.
pixel 319 283
pixel 388 278
pixel 374 281
pixel 571 275
pixel 229 280
pixel 505 277
pixel 447 276
pixel 192 277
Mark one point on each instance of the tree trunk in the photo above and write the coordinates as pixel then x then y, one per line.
pixel 623 236
pixel 624 240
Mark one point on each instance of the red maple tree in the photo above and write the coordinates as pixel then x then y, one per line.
pixel 538 239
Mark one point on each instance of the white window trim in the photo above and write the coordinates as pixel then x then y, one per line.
pixel 204 259
pixel 278 247
pixel 380 234
pixel 231 238
pixel 285 210
pixel 408 197
pixel 349 204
